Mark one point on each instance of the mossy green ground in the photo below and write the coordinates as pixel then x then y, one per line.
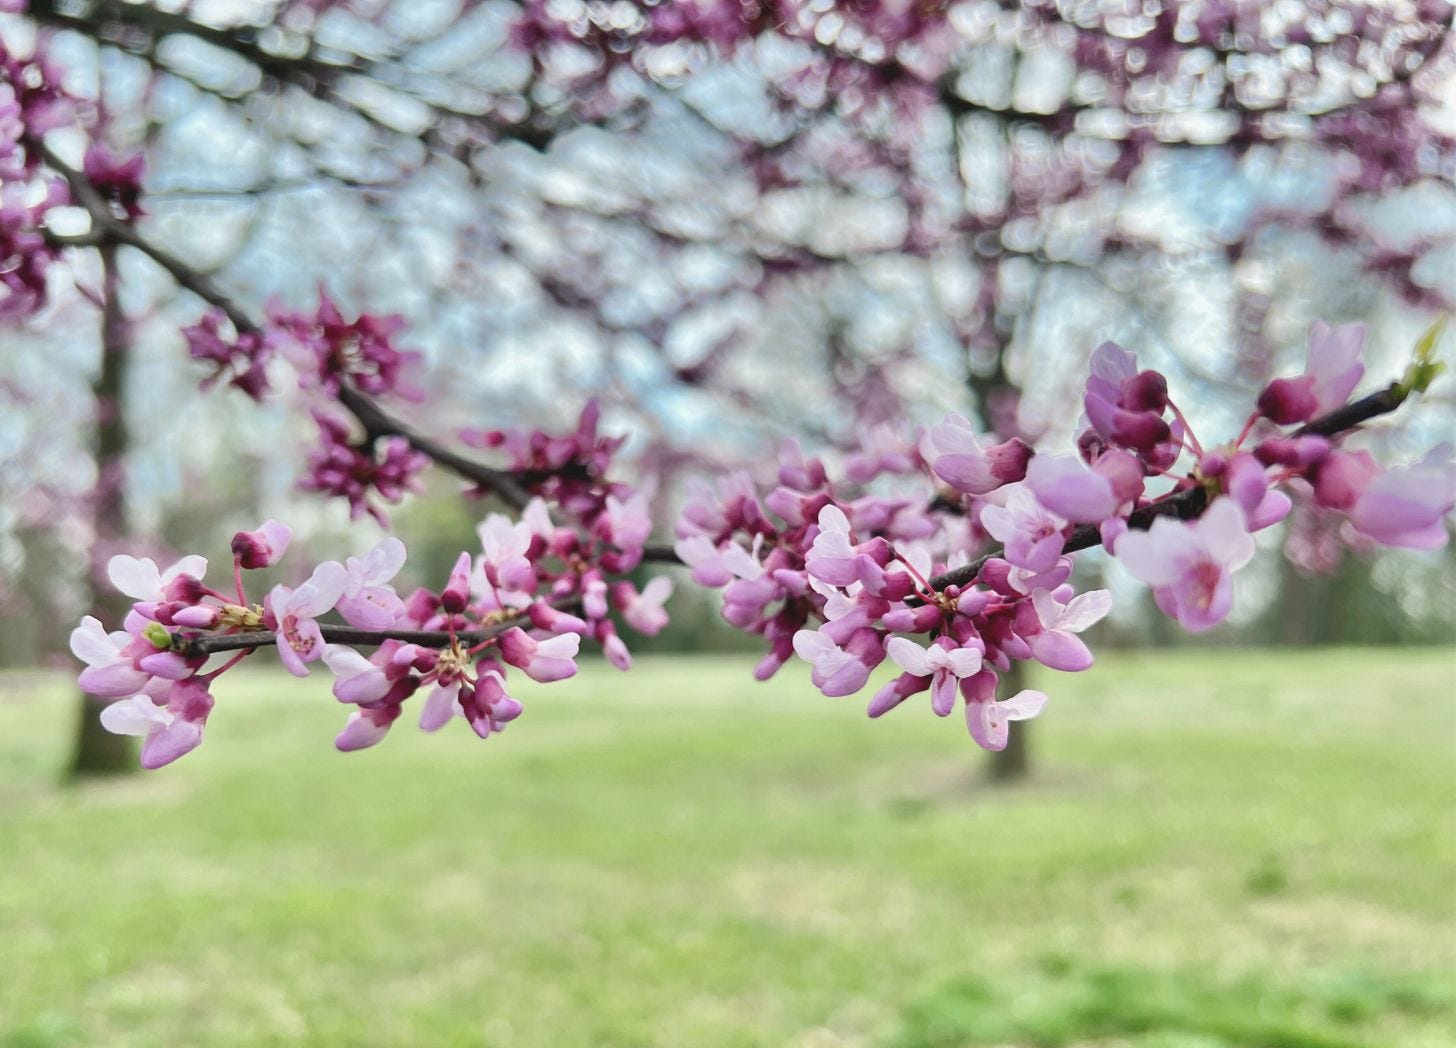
pixel 1218 849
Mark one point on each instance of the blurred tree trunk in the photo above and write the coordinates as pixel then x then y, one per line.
pixel 997 398
pixel 1014 762
pixel 98 751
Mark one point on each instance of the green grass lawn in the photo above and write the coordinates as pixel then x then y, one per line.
pixel 1218 849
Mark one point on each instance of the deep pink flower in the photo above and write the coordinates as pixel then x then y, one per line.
pixel 262 548
pixel 1190 564
pixel 963 462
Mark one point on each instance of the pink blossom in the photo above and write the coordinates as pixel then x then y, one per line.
pixel 966 465
pixel 989 720
pixel 139 577
pixel 291 612
pixel 362 680
pixel 1031 535
pixel 172 730
pixel 944 662
pixel 1125 406
pixel 644 611
pixel 486 706
pixel 505 544
pixel 841 671
pixel 1064 486
pixel 1333 361
pixel 456 594
pixel 1190 564
pixel 1057 645
pixel 111 669
pixel 1405 507
pixel 262 548
pixel 368 601
pixel 543 661
pixel 365 727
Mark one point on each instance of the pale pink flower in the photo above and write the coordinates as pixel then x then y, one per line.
pixel 963 462
pixel 111 669
pixel 1066 487
pixel 1405 507
pixel 543 661
pixel 368 601
pixel 366 727
pixel 945 663
pixel 293 612
pixel 1030 534
pixel 644 611
pixel 1190 564
pixel 139 577
pixel 505 544
pixel 989 720
pixel 1057 645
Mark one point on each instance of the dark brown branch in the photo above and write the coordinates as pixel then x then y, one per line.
pixel 200 645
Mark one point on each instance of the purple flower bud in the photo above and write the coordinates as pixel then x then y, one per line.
pixel 262 548
pixel 1286 401
pixel 1146 392
pixel 456 593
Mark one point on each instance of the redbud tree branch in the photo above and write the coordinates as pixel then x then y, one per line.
pixel 1191 502
pixel 200 645
pixel 108 228
pixel 1186 504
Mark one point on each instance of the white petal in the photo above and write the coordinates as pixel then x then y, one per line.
pixel 964 662
pixel 909 656
pixel 832 518
pixel 1085 609
pixel 383 562
pixel 90 644
pixel 1047 609
pixel 134 716
pixel 190 565
pixel 1023 705
pixel 345 661
pixel 135 577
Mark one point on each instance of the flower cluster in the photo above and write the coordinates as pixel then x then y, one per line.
pixel 848 581
pixel 525 600
pixel 848 576
pixel 240 357
pixel 327 349
pixel 32 102
pixel 388 467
